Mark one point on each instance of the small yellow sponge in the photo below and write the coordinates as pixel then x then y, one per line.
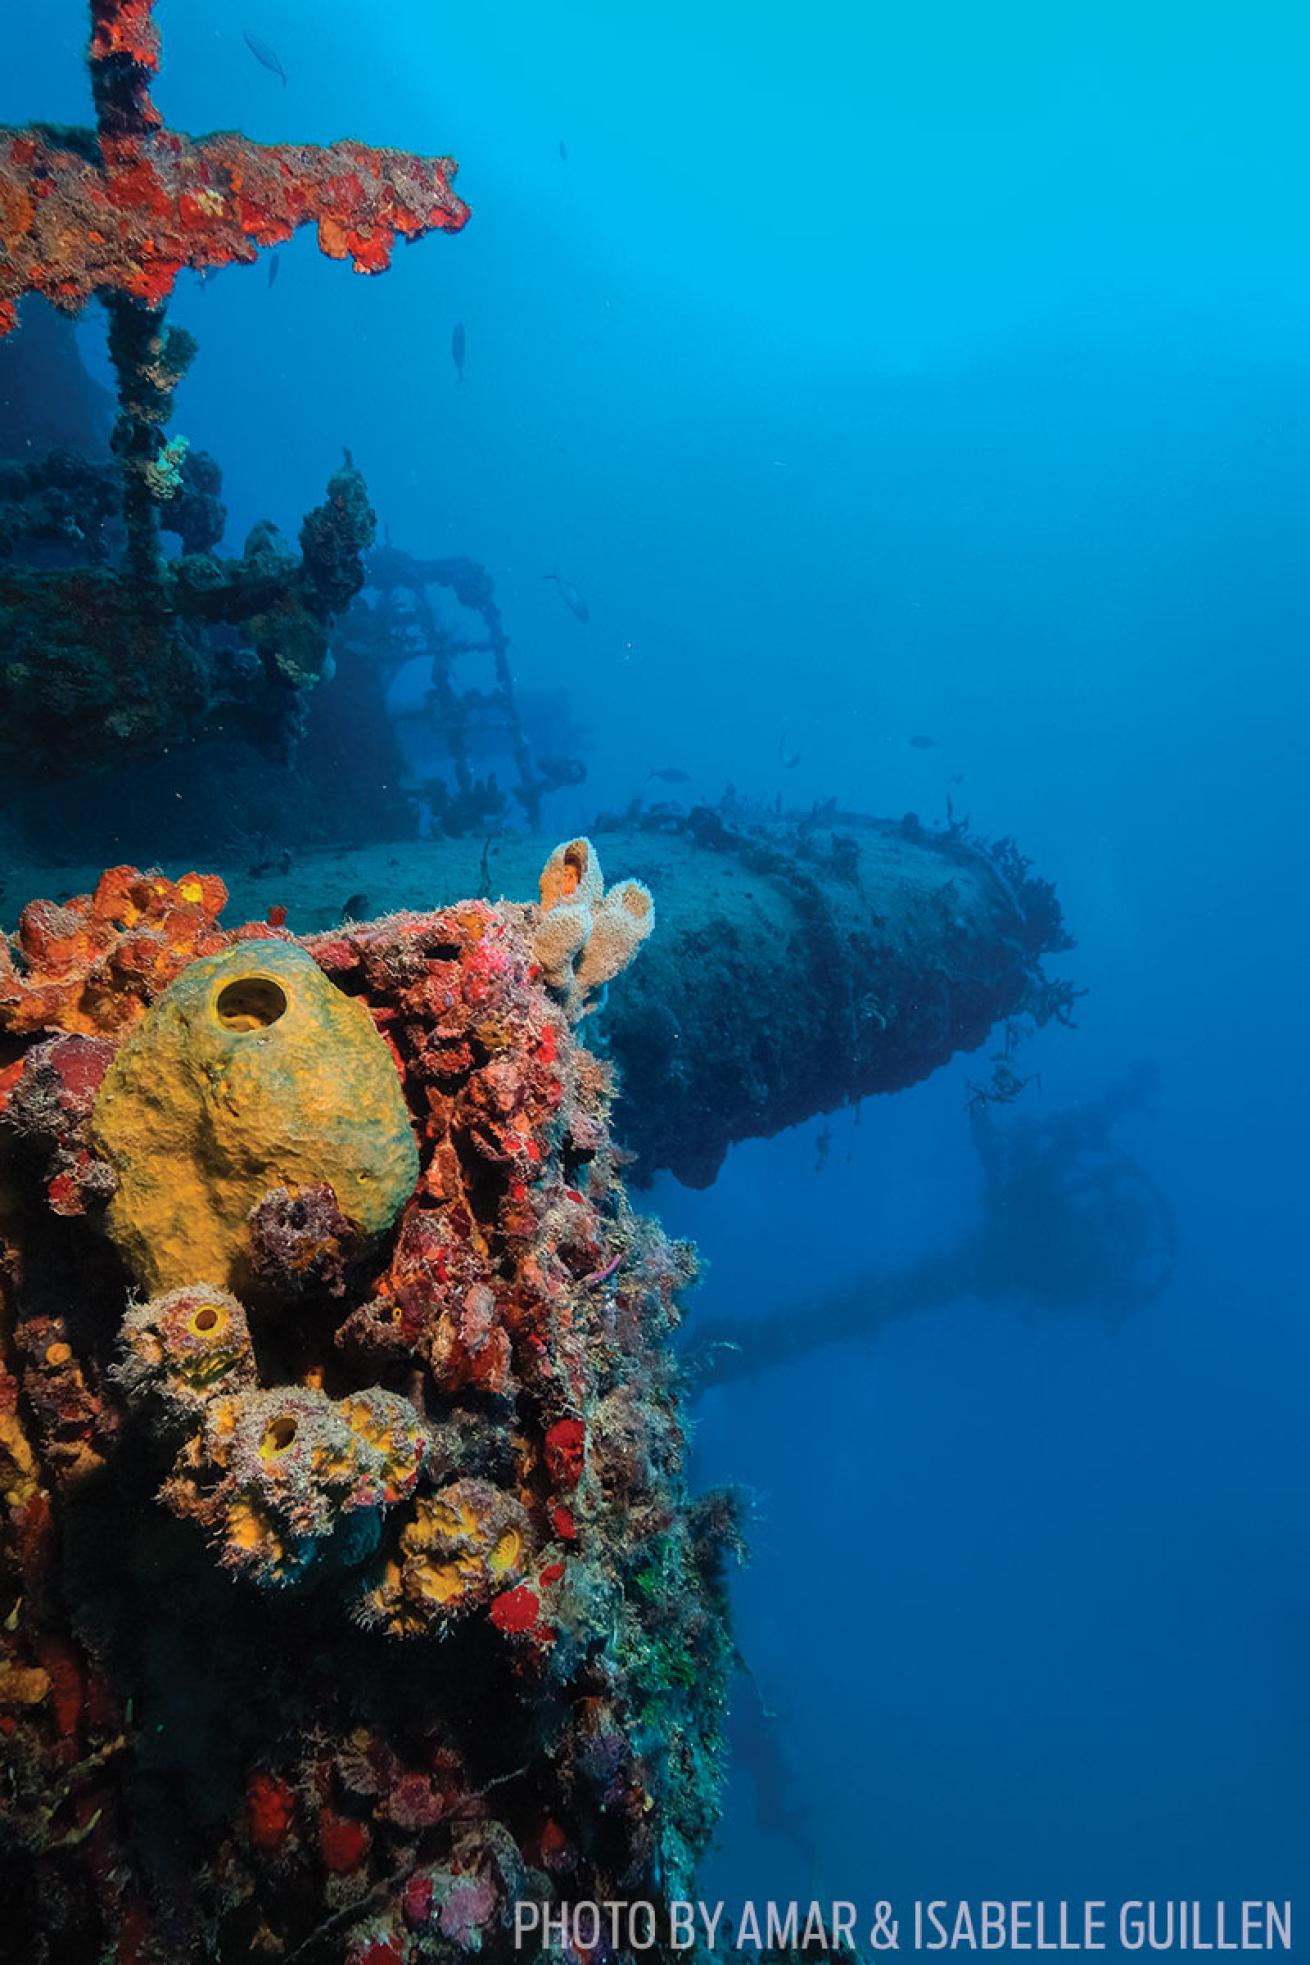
pixel 251 1072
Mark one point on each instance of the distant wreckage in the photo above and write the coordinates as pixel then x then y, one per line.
pixel 795 968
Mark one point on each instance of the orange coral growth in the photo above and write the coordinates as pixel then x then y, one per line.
pixel 92 965
pixel 72 228
pixel 126 29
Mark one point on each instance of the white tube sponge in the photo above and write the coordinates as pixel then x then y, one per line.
pixel 581 936
pixel 572 874
pixel 619 927
pixel 556 940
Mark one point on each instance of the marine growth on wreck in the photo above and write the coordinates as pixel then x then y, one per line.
pixel 357 1585
pixel 338 1363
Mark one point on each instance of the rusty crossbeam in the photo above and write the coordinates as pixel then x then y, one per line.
pixel 123 211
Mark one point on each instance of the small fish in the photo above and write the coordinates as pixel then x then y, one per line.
pixel 355 909
pixel 923 743
pixel 265 56
pixel 669 774
pixel 563 151
pixel 274 268
pixel 788 759
pixel 957 779
pixel 570 596
pixel 458 343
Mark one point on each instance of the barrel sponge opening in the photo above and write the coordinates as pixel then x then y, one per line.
pixel 278 1477
pixel 250 1003
pixel 181 1351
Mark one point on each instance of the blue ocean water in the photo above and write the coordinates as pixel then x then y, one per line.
pixel 878 372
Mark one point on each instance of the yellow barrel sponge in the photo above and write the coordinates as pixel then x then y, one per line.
pixel 251 1072
pixel 618 929
pixel 184 1349
pixel 278 1476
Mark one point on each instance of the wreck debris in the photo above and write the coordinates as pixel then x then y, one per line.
pixel 869 951
pixel 108 663
pixel 463 719
pixel 1071 1222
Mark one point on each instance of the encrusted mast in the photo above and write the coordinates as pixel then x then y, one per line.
pixel 125 210
pixel 118 212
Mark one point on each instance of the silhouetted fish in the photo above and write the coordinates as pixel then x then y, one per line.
pixel 570 596
pixel 788 759
pixel 669 774
pixel 265 56
pixel 274 268
pixel 458 343
pixel 923 743
pixel 563 151
pixel 355 909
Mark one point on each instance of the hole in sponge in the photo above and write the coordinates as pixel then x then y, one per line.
pixel 575 866
pixel 207 1318
pixel 280 1435
pixel 251 1003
